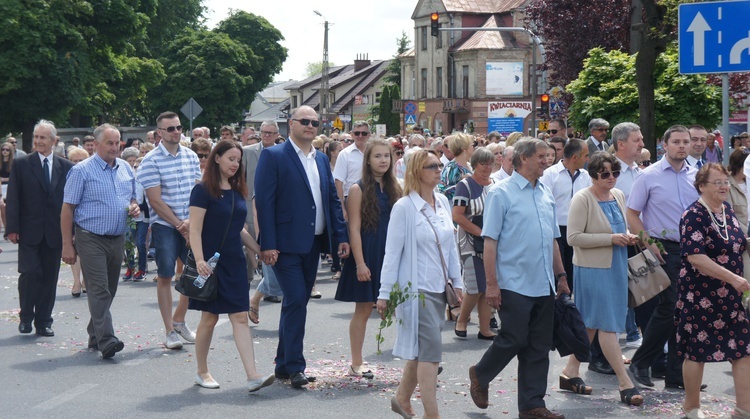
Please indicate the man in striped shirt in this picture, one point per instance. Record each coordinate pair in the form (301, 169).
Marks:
(168, 174)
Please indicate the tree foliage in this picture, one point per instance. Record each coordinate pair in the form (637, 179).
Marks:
(606, 88)
(315, 68)
(393, 75)
(570, 28)
(391, 120)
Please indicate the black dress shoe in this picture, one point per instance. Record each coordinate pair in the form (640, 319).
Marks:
(272, 299)
(680, 385)
(299, 379)
(25, 327)
(601, 367)
(641, 375)
(112, 349)
(658, 373)
(480, 336)
(493, 323)
(45, 331)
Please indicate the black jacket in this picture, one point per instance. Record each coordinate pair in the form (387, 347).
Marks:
(570, 336)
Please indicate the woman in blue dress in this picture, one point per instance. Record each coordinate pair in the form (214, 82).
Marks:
(599, 236)
(215, 203)
(369, 207)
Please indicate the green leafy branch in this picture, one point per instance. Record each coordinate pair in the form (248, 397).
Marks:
(651, 240)
(130, 244)
(397, 296)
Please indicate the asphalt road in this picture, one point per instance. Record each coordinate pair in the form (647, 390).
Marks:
(59, 377)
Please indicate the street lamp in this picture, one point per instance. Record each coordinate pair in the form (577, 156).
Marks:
(323, 106)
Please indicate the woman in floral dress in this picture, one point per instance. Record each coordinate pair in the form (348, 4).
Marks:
(712, 324)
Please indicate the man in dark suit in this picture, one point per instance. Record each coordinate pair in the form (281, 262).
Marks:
(597, 141)
(35, 197)
(299, 215)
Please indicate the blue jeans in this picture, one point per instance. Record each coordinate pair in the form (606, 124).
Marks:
(169, 245)
(630, 327)
(141, 231)
(269, 285)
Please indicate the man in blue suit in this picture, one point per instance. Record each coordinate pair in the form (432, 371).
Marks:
(299, 215)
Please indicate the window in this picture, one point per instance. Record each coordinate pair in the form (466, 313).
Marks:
(439, 82)
(439, 38)
(424, 83)
(424, 37)
(294, 101)
(465, 81)
(377, 96)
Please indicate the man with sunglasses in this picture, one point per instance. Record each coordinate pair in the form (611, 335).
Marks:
(564, 179)
(556, 128)
(168, 174)
(299, 216)
(348, 170)
(14, 143)
(597, 141)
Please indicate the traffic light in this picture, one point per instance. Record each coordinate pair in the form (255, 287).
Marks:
(544, 109)
(434, 24)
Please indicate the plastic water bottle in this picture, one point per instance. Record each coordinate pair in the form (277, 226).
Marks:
(200, 281)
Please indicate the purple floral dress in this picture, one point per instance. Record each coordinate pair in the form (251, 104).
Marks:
(711, 322)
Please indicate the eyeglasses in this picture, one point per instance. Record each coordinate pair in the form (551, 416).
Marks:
(269, 132)
(606, 175)
(601, 129)
(13, 142)
(720, 183)
(360, 133)
(304, 121)
(647, 163)
(434, 166)
(552, 131)
(202, 156)
(347, 140)
(399, 153)
(172, 129)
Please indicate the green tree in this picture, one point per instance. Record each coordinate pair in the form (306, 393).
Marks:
(393, 76)
(391, 120)
(607, 88)
(316, 68)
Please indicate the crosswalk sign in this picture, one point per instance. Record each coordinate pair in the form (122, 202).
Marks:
(410, 119)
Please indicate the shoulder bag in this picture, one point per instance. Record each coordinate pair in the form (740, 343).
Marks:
(450, 292)
(185, 285)
(646, 277)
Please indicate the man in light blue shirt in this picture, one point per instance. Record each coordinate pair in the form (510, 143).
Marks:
(99, 197)
(522, 258)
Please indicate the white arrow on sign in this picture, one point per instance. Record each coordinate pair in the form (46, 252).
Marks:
(699, 27)
(735, 56)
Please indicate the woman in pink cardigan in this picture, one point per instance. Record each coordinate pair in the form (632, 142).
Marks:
(598, 233)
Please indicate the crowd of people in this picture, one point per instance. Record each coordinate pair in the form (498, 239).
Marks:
(505, 225)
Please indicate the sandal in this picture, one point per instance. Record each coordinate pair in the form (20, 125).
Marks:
(576, 385)
(626, 360)
(253, 315)
(631, 397)
(740, 414)
(366, 374)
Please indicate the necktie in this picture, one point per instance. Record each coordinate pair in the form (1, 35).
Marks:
(699, 164)
(46, 172)
(600, 147)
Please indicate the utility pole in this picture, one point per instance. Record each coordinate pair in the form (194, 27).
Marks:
(324, 85)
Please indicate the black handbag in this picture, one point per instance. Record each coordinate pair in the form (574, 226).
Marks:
(186, 286)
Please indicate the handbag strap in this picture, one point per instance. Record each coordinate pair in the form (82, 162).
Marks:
(440, 249)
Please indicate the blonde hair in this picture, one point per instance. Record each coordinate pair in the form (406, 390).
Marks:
(75, 150)
(513, 138)
(413, 170)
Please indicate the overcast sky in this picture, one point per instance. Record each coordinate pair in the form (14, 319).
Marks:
(356, 27)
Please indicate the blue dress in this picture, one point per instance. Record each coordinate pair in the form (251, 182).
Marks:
(602, 294)
(231, 271)
(373, 250)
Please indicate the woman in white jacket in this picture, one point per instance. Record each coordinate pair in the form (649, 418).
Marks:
(413, 261)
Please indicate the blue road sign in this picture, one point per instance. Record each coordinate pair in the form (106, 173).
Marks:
(410, 119)
(714, 37)
(410, 108)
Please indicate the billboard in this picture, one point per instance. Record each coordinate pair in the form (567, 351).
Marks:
(504, 78)
(506, 117)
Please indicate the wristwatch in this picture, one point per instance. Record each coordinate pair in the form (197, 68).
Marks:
(560, 275)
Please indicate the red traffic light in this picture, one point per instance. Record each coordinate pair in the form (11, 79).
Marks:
(434, 16)
(545, 98)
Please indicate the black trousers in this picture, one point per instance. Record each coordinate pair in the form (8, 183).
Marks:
(39, 267)
(661, 327)
(525, 332)
(566, 252)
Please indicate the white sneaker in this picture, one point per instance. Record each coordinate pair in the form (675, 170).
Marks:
(173, 341)
(635, 344)
(183, 330)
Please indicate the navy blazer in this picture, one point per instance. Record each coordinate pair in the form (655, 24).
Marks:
(285, 206)
(32, 210)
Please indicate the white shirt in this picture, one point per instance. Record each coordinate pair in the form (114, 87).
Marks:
(50, 159)
(559, 180)
(429, 264)
(500, 175)
(313, 176)
(444, 160)
(348, 168)
(627, 177)
(692, 161)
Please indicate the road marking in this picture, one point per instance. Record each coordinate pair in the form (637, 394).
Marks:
(65, 397)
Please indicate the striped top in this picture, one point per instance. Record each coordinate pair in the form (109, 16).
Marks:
(101, 194)
(176, 174)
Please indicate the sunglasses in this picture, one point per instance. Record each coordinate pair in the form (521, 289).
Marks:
(304, 121)
(647, 163)
(172, 129)
(202, 156)
(269, 133)
(606, 175)
(434, 166)
(347, 140)
(399, 153)
(6, 149)
(552, 131)
(360, 133)
(12, 142)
